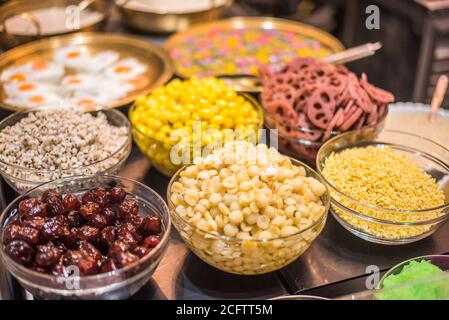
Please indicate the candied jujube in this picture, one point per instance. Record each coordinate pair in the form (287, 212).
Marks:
(108, 235)
(55, 206)
(27, 234)
(89, 234)
(75, 220)
(116, 195)
(123, 259)
(108, 266)
(151, 241)
(47, 255)
(96, 195)
(55, 228)
(71, 203)
(88, 210)
(31, 208)
(152, 225)
(126, 208)
(98, 220)
(109, 214)
(36, 223)
(20, 251)
(141, 251)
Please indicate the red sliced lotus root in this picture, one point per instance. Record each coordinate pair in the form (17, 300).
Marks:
(335, 122)
(351, 119)
(360, 122)
(360, 97)
(301, 98)
(265, 74)
(282, 111)
(306, 130)
(382, 110)
(320, 108)
(372, 117)
(375, 93)
(299, 64)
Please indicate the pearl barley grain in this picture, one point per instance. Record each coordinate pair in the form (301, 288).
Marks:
(53, 141)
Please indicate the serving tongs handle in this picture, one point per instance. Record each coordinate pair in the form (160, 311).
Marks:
(251, 83)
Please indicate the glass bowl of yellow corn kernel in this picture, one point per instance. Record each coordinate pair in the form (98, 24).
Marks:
(188, 118)
(248, 217)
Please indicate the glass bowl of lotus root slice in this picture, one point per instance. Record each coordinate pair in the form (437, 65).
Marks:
(310, 101)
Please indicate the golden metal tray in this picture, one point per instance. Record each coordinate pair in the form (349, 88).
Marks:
(163, 22)
(23, 8)
(160, 68)
(178, 40)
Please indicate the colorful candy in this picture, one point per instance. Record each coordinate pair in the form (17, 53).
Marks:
(225, 50)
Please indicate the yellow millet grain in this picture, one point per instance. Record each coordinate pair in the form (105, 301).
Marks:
(383, 178)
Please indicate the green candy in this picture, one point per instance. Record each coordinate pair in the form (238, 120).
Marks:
(412, 273)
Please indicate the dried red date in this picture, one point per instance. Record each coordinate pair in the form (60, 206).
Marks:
(108, 235)
(71, 203)
(118, 246)
(96, 195)
(31, 208)
(137, 221)
(75, 220)
(140, 251)
(123, 259)
(47, 255)
(88, 210)
(20, 251)
(98, 220)
(152, 225)
(109, 214)
(55, 206)
(88, 249)
(151, 241)
(55, 228)
(116, 195)
(36, 223)
(126, 208)
(27, 234)
(89, 234)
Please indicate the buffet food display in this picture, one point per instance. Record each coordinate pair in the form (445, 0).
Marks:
(241, 205)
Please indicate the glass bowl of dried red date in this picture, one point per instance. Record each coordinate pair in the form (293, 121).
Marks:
(310, 101)
(85, 237)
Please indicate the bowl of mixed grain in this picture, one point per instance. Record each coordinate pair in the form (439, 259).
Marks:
(385, 189)
(43, 145)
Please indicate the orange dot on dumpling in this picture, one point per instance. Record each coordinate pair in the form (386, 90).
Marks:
(122, 69)
(26, 87)
(36, 99)
(139, 82)
(73, 54)
(17, 77)
(39, 65)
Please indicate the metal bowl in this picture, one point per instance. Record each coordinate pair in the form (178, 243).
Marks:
(24, 8)
(167, 22)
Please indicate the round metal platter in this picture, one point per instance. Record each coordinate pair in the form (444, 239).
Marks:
(159, 66)
(233, 48)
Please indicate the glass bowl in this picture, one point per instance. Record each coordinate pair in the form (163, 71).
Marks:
(382, 225)
(439, 260)
(22, 179)
(118, 284)
(303, 143)
(159, 152)
(248, 257)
